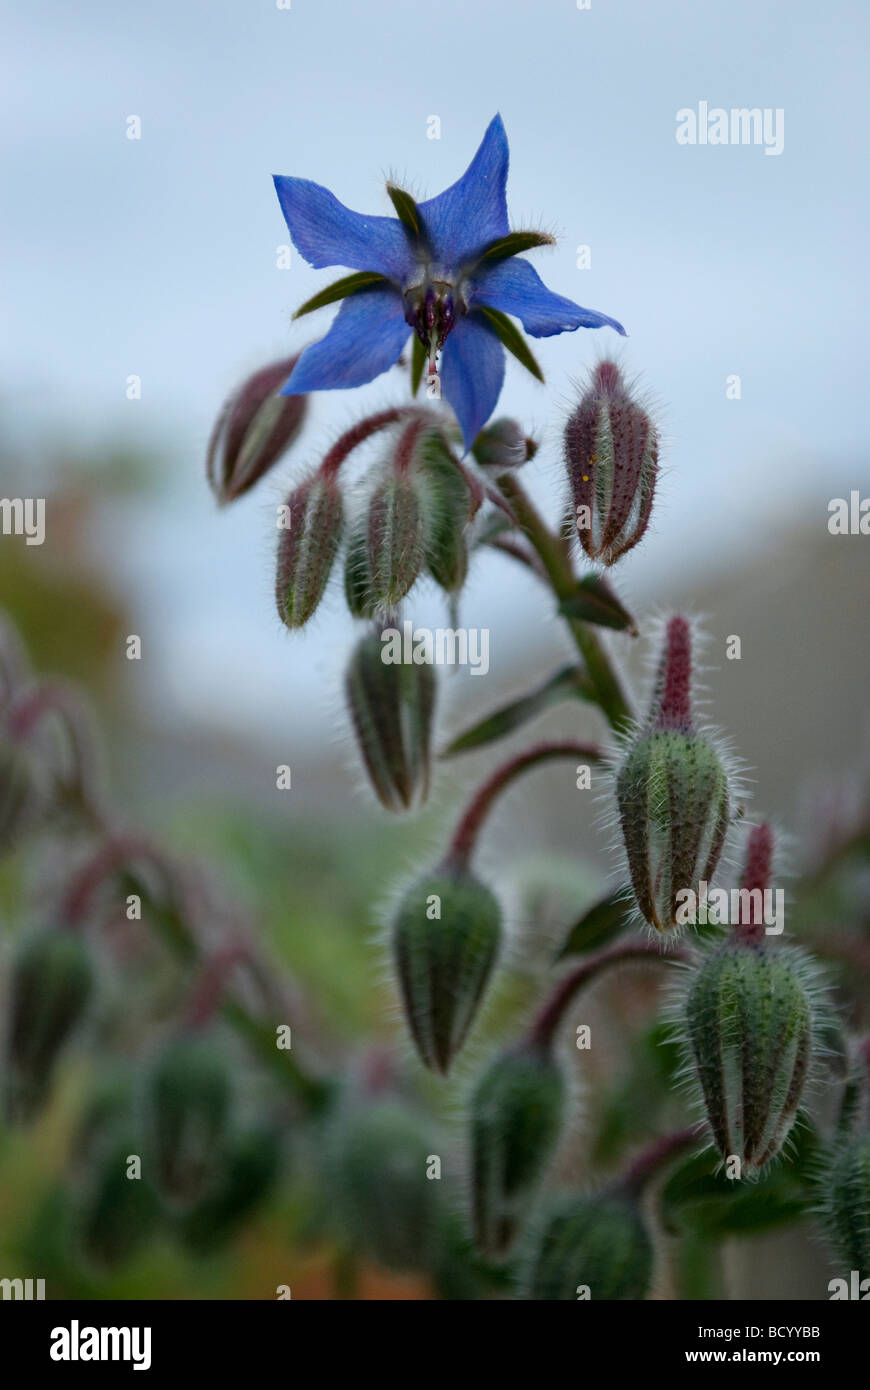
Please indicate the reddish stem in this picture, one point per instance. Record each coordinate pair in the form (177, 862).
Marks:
(359, 433)
(465, 835)
(545, 1025)
(756, 876)
(209, 987)
(675, 708)
(113, 855)
(651, 1159)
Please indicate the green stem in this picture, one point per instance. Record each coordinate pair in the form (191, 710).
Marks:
(557, 563)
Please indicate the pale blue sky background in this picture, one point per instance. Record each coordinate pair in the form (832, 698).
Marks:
(157, 257)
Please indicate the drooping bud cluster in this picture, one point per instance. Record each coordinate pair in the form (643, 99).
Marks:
(446, 936)
(415, 520)
(516, 1117)
(673, 794)
(391, 706)
(52, 983)
(611, 452)
(594, 1247)
(254, 429)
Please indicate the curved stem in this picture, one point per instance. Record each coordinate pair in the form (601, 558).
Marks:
(465, 835)
(557, 563)
(545, 1025)
(649, 1162)
(360, 432)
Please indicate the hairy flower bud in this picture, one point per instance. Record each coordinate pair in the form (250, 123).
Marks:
(251, 1169)
(750, 1020)
(673, 795)
(377, 1161)
(589, 1247)
(395, 540)
(391, 706)
(503, 445)
(611, 452)
(117, 1212)
(52, 983)
(255, 427)
(445, 499)
(307, 547)
(445, 939)
(845, 1183)
(516, 1117)
(187, 1108)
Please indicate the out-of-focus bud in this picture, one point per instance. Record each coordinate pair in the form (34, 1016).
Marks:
(118, 1209)
(445, 938)
(611, 452)
(186, 1116)
(589, 1247)
(252, 1166)
(516, 1117)
(16, 792)
(254, 429)
(503, 445)
(750, 1021)
(673, 795)
(309, 538)
(845, 1187)
(391, 706)
(378, 1166)
(52, 982)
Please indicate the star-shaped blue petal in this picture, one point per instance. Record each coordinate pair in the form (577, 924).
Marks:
(445, 258)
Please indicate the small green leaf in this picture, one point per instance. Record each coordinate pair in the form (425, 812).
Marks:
(699, 1198)
(511, 338)
(406, 209)
(594, 601)
(570, 681)
(418, 363)
(514, 244)
(605, 920)
(340, 289)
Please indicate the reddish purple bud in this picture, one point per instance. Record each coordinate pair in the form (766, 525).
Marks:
(753, 884)
(255, 427)
(611, 452)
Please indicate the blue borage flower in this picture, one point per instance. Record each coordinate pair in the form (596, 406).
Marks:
(447, 268)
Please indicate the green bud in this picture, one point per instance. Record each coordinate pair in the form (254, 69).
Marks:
(307, 547)
(750, 1022)
(446, 510)
(15, 792)
(503, 445)
(516, 1118)
(673, 794)
(395, 540)
(846, 1212)
(597, 1244)
(252, 1165)
(118, 1213)
(52, 983)
(377, 1162)
(391, 706)
(445, 937)
(187, 1109)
